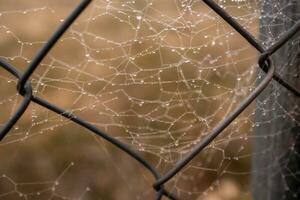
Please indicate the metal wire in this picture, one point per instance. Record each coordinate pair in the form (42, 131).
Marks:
(265, 63)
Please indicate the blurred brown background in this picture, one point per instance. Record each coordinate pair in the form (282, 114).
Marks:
(158, 75)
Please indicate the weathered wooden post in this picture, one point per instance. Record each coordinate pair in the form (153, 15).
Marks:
(276, 160)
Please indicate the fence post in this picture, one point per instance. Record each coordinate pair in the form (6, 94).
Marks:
(276, 160)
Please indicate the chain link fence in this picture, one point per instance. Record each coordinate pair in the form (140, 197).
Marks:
(265, 63)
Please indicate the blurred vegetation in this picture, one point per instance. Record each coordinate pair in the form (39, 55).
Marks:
(156, 83)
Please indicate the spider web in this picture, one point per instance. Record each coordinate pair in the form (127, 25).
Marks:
(157, 75)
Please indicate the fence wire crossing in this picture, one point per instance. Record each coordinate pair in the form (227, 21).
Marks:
(24, 88)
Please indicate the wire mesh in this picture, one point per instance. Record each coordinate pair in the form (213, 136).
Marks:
(265, 63)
